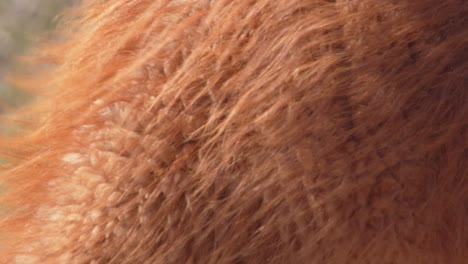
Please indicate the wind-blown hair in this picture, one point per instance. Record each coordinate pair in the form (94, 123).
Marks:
(247, 131)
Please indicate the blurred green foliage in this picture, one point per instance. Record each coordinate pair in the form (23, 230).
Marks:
(21, 22)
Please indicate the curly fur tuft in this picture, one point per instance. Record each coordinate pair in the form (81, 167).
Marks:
(249, 131)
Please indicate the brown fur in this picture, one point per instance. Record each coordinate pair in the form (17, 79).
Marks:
(246, 131)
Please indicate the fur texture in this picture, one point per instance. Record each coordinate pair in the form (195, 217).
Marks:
(247, 131)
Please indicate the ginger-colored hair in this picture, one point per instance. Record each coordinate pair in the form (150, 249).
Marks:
(244, 131)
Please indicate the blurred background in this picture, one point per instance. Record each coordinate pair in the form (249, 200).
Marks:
(21, 23)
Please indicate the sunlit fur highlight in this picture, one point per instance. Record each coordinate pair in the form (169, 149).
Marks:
(247, 131)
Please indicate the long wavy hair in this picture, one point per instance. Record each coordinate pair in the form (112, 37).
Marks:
(247, 131)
